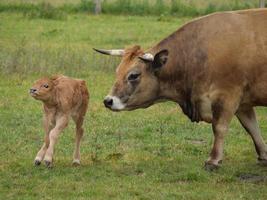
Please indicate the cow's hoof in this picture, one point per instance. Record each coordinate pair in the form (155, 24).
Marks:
(37, 162)
(48, 164)
(76, 162)
(211, 167)
(262, 162)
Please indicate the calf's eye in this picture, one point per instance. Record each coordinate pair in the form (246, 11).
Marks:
(133, 76)
(46, 85)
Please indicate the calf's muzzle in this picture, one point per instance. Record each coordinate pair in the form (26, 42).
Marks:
(33, 90)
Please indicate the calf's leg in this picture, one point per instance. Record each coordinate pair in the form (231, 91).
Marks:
(78, 119)
(248, 120)
(40, 155)
(48, 123)
(79, 134)
(61, 123)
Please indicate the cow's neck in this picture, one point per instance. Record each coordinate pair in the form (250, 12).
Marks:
(177, 91)
(176, 78)
(172, 79)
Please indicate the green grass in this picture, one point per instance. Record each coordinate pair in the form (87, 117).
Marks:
(143, 154)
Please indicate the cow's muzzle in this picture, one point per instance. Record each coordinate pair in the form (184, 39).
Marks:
(108, 102)
(114, 103)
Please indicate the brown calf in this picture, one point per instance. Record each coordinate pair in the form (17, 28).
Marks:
(62, 98)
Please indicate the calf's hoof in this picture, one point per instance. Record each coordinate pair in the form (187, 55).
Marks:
(76, 162)
(48, 164)
(211, 166)
(37, 162)
(262, 162)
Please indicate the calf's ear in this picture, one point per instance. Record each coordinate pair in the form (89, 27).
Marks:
(160, 59)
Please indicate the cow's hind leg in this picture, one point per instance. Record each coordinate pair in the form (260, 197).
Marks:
(248, 120)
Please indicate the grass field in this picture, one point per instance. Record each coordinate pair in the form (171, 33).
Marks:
(144, 154)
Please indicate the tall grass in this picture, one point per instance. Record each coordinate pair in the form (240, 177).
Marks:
(40, 58)
(132, 7)
(181, 9)
(43, 46)
(45, 11)
(235, 5)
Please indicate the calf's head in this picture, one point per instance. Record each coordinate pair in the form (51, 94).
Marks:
(136, 85)
(42, 89)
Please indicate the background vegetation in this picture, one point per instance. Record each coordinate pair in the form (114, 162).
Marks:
(133, 7)
(155, 153)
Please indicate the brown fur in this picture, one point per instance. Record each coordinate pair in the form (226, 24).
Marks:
(217, 66)
(62, 98)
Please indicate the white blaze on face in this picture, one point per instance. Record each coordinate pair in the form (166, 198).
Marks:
(117, 104)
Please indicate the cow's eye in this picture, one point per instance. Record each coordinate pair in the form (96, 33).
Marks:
(46, 85)
(133, 76)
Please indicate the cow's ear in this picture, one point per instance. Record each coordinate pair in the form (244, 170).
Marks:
(160, 59)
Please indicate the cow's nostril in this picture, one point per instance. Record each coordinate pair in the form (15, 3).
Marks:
(108, 102)
(33, 90)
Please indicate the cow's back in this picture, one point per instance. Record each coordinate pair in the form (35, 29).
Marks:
(225, 50)
(237, 53)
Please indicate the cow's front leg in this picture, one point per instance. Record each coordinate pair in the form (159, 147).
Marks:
(48, 123)
(61, 123)
(222, 111)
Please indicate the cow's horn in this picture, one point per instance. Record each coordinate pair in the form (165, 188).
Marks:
(147, 57)
(113, 52)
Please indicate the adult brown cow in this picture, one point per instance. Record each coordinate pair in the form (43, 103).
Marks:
(214, 67)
